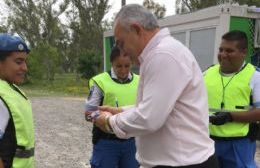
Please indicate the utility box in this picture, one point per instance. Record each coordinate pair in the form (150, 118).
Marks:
(201, 32)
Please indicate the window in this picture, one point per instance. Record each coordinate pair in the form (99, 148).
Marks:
(202, 43)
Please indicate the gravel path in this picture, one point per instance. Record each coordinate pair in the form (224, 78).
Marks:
(63, 137)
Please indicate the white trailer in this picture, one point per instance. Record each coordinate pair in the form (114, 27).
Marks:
(201, 31)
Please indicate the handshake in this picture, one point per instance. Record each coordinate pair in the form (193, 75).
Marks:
(100, 116)
(92, 113)
(95, 111)
(220, 118)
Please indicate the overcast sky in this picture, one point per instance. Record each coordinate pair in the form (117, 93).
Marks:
(116, 5)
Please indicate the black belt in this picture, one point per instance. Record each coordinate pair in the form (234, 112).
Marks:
(24, 153)
(210, 163)
(227, 138)
(111, 137)
(99, 134)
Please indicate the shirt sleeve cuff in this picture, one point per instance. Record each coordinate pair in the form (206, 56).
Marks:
(116, 129)
(125, 108)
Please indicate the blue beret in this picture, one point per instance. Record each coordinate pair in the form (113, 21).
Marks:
(12, 43)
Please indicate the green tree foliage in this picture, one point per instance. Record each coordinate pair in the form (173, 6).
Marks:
(87, 28)
(58, 46)
(184, 6)
(248, 2)
(157, 9)
(54, 33)
(24, 20)
(3, 29)
(89, 63)
(36, 70)
(43, 62)
(38, 23)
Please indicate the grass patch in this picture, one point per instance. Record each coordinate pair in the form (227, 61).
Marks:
(62, 85)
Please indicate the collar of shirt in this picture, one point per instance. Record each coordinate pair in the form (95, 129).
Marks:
(153, 42)
(231, 74)
(113, 75)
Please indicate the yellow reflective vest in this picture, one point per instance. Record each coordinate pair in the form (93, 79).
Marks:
(237, 93)
(21, 112)
(116, 94)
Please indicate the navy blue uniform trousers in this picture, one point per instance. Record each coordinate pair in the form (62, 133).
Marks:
(108, 153)
(237, 153)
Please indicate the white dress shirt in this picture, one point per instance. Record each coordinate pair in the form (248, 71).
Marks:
(170, 119)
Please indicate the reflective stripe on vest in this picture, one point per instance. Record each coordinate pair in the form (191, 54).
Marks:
(21, 112)
(237, 94)
(24, 153)
(116, 93)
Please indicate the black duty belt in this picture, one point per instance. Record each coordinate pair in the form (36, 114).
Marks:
(227, 138)
(111, 137)
(99, 134)
(24, 153)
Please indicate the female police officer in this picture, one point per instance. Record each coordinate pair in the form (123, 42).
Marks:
(16, 122)
(117, 87)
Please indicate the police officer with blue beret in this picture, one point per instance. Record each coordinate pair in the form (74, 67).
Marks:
(16, 121)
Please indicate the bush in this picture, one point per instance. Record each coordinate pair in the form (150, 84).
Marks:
(89, 64)
(63, 84)
(43, 62)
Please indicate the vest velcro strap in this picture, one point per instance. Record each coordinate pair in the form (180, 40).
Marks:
(24, 153)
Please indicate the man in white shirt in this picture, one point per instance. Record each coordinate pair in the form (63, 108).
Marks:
(170, 118)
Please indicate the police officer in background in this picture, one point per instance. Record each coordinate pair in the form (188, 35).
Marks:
(117, 87)
(234, 95)
(16, 121)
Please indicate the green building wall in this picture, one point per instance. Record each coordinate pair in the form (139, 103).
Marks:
(246, 25)
(109, 43)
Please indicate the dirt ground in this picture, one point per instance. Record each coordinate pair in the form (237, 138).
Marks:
(63, 137)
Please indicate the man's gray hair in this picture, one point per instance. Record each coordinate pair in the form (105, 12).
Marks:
(135, 13)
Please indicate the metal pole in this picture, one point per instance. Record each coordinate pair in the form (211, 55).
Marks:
(123, 3)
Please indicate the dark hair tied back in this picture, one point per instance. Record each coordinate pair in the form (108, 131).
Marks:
(115, 53)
